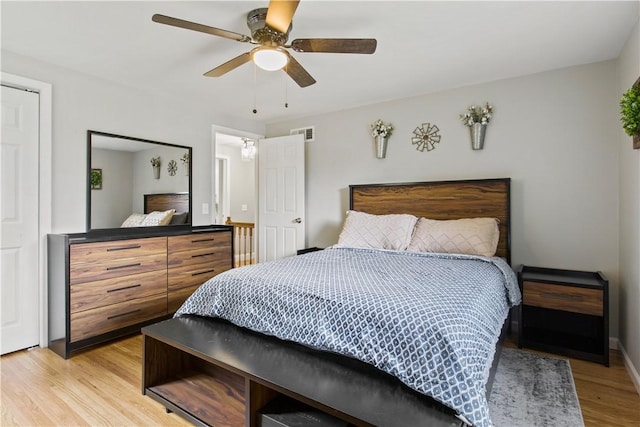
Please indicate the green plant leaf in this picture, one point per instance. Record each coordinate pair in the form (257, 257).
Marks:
(630, 111)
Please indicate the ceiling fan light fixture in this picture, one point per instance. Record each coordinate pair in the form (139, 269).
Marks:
(270, 58)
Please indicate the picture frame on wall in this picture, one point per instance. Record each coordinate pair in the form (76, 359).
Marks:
(96, 179)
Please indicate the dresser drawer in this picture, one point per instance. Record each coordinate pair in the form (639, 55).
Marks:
(181, 277)
(198, 241)
(85, 296)
(178, 297)
(88, 323)
(116, 250)
(200, 256)
(88, 272)
(564, 298)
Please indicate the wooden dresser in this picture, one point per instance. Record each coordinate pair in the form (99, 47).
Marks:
(104, 287)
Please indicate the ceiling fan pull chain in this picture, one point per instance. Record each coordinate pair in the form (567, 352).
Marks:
(255, 87)
(286, 86)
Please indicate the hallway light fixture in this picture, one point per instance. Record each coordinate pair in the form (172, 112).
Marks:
(248, 150)
(270, 58)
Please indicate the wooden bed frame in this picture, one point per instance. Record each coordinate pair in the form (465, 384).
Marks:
(166, 201)
(441, 200)
(214, 373)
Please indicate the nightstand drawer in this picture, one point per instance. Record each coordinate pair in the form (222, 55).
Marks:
(565, 298)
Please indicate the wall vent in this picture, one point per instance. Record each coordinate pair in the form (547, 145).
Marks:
(308, 132)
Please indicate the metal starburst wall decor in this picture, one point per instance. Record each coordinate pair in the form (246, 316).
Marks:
(425, 137)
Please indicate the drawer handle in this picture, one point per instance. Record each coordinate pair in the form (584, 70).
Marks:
(196, 256)
(115, 316)
(203, 240)
(122, 248)
(203, 272)
(117, 267)
(124, 288)
(565, 297)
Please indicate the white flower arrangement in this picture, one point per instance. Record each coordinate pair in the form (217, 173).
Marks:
(155, 161)
(475, 115)
(185, 157)
(380, 129)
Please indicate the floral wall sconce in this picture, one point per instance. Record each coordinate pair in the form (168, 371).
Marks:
(185, 159)
(155, 164)
(381, 134)
(630, 113)
(426, 137)
(477, 119)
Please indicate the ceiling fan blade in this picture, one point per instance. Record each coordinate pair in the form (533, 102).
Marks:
(280, 14)
(181, 23)
(229, 65)
(335, 45)
(298, 73)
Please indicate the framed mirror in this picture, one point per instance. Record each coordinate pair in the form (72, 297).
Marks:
(132, 181)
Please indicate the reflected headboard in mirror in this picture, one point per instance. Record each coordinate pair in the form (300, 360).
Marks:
(165, 201)
(120, 173)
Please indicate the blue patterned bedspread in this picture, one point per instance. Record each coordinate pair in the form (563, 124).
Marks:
(431, 320)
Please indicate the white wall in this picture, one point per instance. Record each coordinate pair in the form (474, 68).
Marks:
(553, 133)
(82, 102)
(144, 181)
(112, 204)
(629, 175)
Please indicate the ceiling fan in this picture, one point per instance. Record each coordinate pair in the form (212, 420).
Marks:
(270, 29)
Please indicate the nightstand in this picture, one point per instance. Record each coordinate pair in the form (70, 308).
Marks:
(564, 312)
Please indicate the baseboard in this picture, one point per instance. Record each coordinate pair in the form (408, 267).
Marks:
(633, 372)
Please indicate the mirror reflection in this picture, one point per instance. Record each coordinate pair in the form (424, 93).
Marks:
(132, 181)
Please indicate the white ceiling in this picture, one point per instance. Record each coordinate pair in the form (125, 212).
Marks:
(423, 47)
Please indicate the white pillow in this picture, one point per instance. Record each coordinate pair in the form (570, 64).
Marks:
(471, 236)
(158, 218)
(134, 220)
(363, 230)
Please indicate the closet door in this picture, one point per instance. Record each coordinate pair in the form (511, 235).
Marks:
(19, 220)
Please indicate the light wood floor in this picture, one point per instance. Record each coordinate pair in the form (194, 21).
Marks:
(102, 387)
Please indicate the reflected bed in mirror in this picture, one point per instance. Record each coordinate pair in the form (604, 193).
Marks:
(133, 192)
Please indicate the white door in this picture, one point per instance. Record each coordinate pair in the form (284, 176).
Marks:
(281, 197)
(19, 220)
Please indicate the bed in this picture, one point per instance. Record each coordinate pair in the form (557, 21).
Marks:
(367, 304)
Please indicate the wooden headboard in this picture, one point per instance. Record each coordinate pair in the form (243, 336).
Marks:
(166, 201)
(441, 200)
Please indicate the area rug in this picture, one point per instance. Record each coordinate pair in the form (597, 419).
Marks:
(534, 391)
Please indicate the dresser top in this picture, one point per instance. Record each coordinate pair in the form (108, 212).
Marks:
(139, 233)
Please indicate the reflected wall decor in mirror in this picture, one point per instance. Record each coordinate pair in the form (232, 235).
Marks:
(132, 186)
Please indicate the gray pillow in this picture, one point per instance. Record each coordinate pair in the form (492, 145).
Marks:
(179, 218)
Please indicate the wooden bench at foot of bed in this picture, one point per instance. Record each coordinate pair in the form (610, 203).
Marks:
(214, 373)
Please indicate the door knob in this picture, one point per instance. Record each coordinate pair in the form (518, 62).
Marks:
(297, 220)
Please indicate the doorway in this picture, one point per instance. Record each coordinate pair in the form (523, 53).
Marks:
(235, 188)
